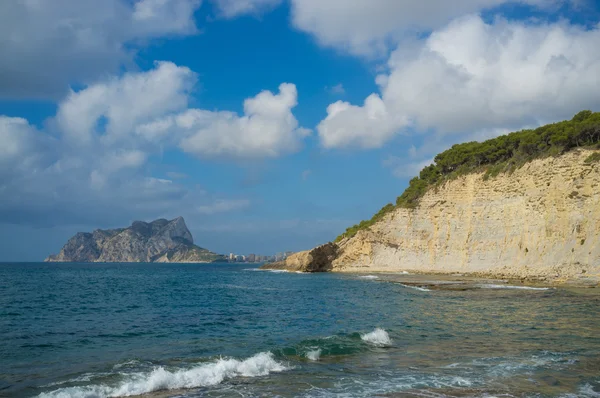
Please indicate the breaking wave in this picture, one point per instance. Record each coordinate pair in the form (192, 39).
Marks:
(208, 374)
(314, 355)
(492, 286)
(421, 289)
(377, 337)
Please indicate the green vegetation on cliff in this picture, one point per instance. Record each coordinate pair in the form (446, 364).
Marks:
(593, 158)
(498, 155)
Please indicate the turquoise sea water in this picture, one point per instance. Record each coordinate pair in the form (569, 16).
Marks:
(219, 330)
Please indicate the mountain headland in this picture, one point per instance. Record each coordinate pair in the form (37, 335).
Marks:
(158, 241)
(521, 206)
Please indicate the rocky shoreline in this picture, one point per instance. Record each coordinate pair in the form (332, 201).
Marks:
(455, 281)
(538, 224)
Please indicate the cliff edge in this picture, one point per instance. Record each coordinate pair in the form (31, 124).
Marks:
(542, 221)
(158, 241)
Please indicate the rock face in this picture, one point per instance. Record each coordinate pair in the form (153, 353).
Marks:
(158, 241)
(540, 222)
(318, 259)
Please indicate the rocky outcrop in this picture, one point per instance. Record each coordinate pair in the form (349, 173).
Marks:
(319, 259)
(540, 222)
(159, 241)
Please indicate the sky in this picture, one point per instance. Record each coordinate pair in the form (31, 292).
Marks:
(269, 125)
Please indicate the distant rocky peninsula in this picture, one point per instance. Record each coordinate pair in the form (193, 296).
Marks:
(160, 241)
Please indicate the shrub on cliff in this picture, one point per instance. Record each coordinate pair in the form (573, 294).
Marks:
(500, 154)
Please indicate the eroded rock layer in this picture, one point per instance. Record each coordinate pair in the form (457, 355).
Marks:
(542, 221)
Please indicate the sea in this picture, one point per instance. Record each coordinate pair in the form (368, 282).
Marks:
(225, 330)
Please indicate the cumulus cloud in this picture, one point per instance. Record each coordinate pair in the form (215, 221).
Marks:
(267, 129)
(366, 126)
(93, 162)
(472, 76)
(125, 103)
(46, 45)
(369, 27)
(235, 8)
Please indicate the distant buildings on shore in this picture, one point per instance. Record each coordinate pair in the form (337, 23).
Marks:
(257, 258)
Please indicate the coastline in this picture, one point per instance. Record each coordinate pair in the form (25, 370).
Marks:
(432, 278)
(538, 224)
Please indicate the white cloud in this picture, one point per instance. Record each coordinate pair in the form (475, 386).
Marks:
(223, 205)
(46, 45)
(93, 164)
(124, 103)
(235, 8)
(23, 150)
(149, 109)
(366, 126)
(267, 129)
(159, 17)
(369, 27)
(16, 137)
(472, 76)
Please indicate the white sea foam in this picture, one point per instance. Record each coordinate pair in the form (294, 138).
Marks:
(79, 379)
(492, 286)
(377, 337)
(502, 367)
(277, 271)
(405, 273)
(421, 289)
(369, 277)
(207, 374)
(391, 383)
(588, 391)
(314, 355)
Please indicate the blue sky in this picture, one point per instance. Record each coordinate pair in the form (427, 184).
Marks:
(270, 125)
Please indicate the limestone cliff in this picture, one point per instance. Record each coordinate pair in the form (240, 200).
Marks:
(542, 221)
(158, 241)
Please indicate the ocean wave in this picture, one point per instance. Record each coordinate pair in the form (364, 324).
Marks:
(277, 271)
(159, 379)
(336, 345)
(314, 355)
(84, 378)
(421, 289)
(586, 391)
(492, 286)
(369, 277)
(377, 337)
(503, 367)
(389, 384)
